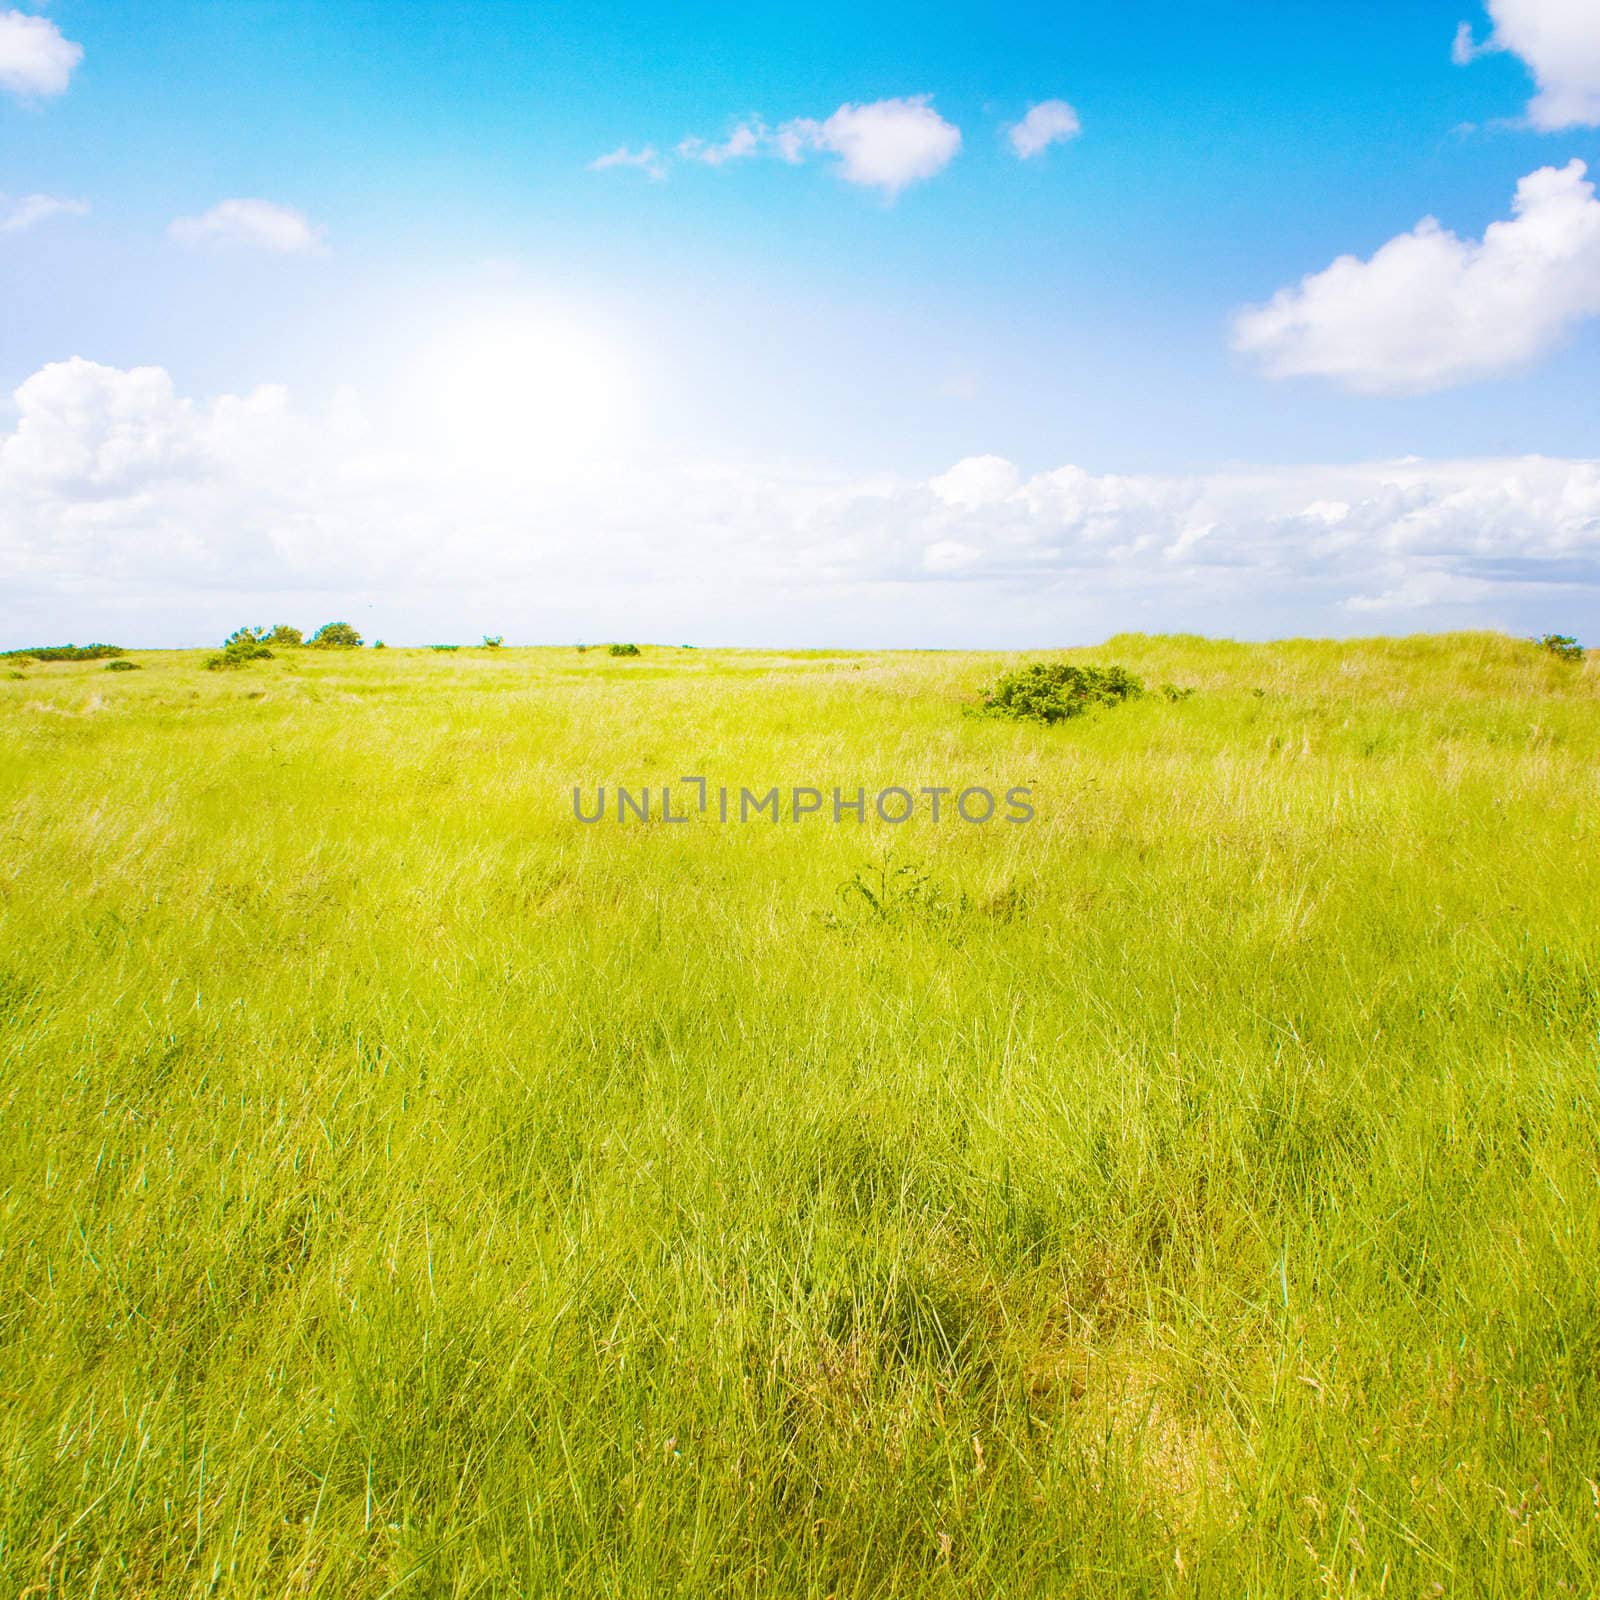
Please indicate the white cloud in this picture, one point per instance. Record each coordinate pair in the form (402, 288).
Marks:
(1050, 122)
(976, 482)
(88, 430)
(747, 139)
(886, 145)
(644, 159)
(30, 210)
(259, 224)
(1559, 41)
(36, 62)
(119, 493)
(1430, 310)
(1464, 49)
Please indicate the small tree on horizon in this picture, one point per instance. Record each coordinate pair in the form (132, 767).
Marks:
(336, 636)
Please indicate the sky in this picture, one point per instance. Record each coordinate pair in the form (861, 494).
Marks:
(961, 325)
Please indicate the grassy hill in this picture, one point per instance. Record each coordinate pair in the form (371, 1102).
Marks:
(408, 1189)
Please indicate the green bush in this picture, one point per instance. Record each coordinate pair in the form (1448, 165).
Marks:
(625, 650)
(241, 647)
(493, 641)
(122, 666)
(247, 644)
(444, 647)
(1051, 691)
(285, 637)
(1561, 645)
(336, 636)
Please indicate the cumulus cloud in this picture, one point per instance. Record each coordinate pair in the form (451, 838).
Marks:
(1559, 42)
(88, 430)
(1431, 310)
(644, 159)
(1050, 122)
(886, 145)
(36, 62)
(257, 224)
(976, 482)
(30, 210)
(114, 484)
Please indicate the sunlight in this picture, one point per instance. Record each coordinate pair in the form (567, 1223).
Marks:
(517, 391)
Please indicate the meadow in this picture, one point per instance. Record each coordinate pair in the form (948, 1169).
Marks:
(408, 1190)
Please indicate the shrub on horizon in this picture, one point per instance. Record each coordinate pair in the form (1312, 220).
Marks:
(1052, 691)
(241, 647)
(625, 650)
(65, 652)
(336, 636)
(493, 641)
(285, 637)
(248, 643)
(1561, 645)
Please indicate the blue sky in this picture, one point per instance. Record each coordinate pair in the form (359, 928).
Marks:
(580, 353)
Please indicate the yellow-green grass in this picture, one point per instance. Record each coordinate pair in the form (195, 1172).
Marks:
(406, 1189)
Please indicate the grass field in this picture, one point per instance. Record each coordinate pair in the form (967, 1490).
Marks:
(407, 1189)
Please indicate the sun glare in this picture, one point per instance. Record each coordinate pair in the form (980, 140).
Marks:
(520, 393)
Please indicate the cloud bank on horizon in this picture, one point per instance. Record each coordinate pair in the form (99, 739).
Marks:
(115, 484)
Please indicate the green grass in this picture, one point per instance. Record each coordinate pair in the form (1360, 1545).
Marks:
(407, 1190)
